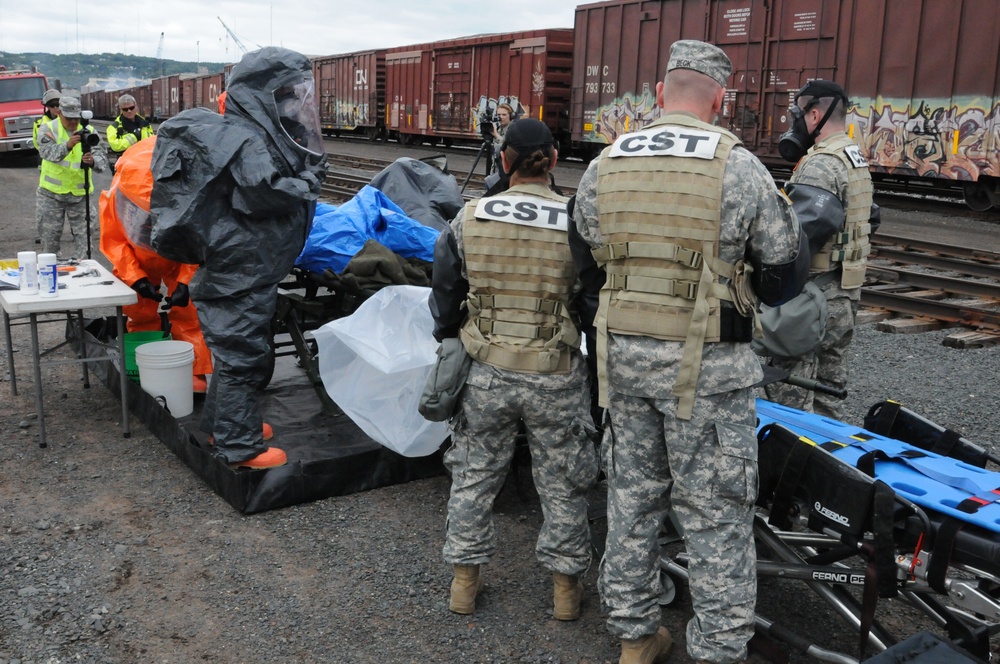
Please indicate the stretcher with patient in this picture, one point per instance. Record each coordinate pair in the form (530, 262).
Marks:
(901, 508)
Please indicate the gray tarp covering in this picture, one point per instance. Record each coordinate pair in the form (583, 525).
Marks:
(422, 190)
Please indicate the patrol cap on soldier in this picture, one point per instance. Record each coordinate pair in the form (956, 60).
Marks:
(821, 88)
(702, 57)
(50, 96)
(69, 107)
(527, 133)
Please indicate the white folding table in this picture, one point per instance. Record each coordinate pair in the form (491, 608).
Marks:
(80, 293)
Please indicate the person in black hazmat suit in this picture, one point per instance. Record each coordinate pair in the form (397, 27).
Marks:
(236, 195)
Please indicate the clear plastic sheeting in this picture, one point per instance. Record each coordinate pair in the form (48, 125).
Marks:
(374, 364)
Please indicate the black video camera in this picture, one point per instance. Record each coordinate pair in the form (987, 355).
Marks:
(486, 125)
(88, 138)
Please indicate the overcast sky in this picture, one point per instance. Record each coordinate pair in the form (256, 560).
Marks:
(192, 31)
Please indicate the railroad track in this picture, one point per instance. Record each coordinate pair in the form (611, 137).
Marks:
(349, 173)
(917, 285)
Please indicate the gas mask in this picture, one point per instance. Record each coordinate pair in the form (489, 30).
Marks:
(298, 115)
(794, 143)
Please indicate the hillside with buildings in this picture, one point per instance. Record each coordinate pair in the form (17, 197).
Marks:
(96, 71)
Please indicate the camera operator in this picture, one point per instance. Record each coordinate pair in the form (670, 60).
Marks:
(69, 148)
(505, 115)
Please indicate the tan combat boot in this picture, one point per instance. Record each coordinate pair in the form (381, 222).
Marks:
(566, 596)
(652, 649)
(465, 588)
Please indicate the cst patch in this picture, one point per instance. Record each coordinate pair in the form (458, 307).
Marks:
(524, 210)
(853, 153)
(667, 141)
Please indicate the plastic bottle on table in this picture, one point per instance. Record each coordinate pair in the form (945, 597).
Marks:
(48, 282)
(27, 268)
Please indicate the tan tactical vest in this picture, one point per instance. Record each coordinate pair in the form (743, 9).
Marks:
(850, 246)
(520, 276)
(660, 218)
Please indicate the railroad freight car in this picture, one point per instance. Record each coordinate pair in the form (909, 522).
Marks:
(923, 76)
(442, 90)
(351, 93)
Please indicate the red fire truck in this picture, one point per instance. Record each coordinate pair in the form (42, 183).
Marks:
(21, 93)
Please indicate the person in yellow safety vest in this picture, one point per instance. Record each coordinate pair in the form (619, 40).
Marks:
(50, 102)
(125, 231)
(65, 184)
(128, 128)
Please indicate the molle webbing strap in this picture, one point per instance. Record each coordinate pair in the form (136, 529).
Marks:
(664, 293)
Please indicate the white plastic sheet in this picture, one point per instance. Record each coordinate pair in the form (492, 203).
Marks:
(374, 364)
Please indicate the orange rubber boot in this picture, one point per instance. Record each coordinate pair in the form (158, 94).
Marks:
(272, 457)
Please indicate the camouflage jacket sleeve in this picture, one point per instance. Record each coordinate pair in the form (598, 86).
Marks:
(585, 212)
(824, 171)
(49, 147)
(755, 203)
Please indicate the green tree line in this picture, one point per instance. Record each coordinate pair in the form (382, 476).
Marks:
(76, 69)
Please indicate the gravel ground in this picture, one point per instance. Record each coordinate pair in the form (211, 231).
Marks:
(111, 550)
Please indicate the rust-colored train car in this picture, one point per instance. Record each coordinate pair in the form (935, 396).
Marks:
(922, 75)
(188, 83)
(442, 89)
(160, 94)
(351, 91)
(207, 89)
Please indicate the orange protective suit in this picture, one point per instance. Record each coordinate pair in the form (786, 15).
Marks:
(125, 229)
(222, 103)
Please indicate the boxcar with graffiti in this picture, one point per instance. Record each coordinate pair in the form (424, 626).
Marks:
(922, 76)
(443, 89)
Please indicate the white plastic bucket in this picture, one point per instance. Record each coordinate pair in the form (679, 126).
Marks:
(165, 373)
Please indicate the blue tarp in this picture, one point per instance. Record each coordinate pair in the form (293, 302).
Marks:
(339, 233)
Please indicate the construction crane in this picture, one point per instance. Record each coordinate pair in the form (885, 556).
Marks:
(159, 55)
(233, 35)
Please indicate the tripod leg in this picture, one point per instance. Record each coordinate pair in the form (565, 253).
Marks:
(479, 155)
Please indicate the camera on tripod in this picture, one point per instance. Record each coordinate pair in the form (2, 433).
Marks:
(89, 139)
(486, 122)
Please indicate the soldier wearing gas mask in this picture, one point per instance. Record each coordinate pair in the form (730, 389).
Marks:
(831, 192)
(236, 195)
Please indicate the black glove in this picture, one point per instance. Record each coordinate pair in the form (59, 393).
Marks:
(180, 297)
(144, 288)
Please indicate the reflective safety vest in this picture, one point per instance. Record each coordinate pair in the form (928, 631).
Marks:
(120, 139)
(66, 176)
(850, 246)
(521, 274)
(659, 200)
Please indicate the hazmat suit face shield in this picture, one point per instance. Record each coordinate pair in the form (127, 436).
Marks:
(137, 223)
(298, 114)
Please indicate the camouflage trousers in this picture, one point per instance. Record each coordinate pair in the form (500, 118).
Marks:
(705, 469)
(827, 364)
(53, 211)
(563, 463)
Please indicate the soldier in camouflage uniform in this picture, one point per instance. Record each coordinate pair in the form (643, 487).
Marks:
(63, 186)
(669, 213)
(838, 228)
(502, 283)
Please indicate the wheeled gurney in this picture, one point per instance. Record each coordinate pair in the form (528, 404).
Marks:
(844, 507)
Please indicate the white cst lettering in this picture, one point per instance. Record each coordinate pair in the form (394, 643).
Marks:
(524, 211)
(669, 141)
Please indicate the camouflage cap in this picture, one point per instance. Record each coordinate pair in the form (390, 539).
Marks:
(702, 57)
(69, 107)
(50, 95)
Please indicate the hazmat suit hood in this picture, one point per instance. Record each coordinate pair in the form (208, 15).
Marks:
(274, 88)
(236, 193)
